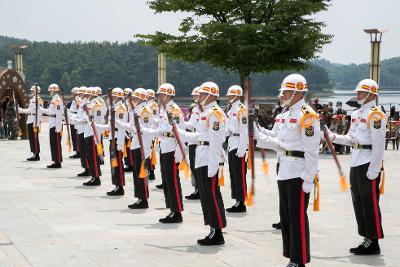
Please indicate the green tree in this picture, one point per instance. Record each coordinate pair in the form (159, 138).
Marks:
(65, 82)
(243, 36)
(45, 78)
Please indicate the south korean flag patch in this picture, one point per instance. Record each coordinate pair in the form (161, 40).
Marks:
(216, 126)
(309, 131)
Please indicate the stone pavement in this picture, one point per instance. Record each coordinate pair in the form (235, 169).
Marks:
(47, 218)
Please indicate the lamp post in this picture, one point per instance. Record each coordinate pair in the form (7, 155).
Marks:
(162, 68)
(19, 65)
(374, 67)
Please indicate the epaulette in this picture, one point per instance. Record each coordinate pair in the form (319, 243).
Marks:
(146, 112)
(242, 111)
(121, 109)
(154, 106)
(176, 111)
(308, 117)
(57, 101)
(217, 111)
(377, 115)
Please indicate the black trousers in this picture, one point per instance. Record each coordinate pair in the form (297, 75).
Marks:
(74, 137)
(237, 173)
(128, 159)
(171, 182)
(293, 203)
(365, 196)
(33, 139)
(140, 184)
(82, 151)
(211, 200)
(117, 173)
(192, 161)
(55, 146)
(93, 158)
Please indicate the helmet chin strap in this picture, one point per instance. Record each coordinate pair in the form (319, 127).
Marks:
(203, 103)
(232, 100)
(362, 101)
(286, 103)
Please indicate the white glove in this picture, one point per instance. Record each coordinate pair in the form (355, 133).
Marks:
(256, 131)
(372, 175)
(307, 186)
(331, 135)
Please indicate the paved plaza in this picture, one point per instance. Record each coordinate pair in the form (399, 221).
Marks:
(47, 218)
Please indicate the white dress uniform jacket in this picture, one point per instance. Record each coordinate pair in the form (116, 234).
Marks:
(237, 129)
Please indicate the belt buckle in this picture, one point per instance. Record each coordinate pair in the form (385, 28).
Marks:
(289, 153)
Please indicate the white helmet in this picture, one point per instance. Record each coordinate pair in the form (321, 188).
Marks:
(367, 85)
(209, 88)
(92, 91)
(195, 91)
(82, 90)
(99, 91)
(33, 88)
(150, 93)
(117, 92)
(128, 91)
(294, 82)
(235, 90)
(53, 88)
(140, 93)
(166, 89)
(75, 90)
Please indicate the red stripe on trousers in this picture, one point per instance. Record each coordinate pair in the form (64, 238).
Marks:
(145, 188)
(35, 141)
(178, 199)
(213, 184)
(120, 167)
(58, 146)
(96, 171)
(243, 180)
(77, 141)
(376, 213)
(131, 157)
(302, 228)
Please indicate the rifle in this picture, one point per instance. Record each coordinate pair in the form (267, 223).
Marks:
(142, 173)
(16, 113)
(66, 122)
(35, 127)
(175, 131)
(114, 161)
(343, 183)
(98, 143)
(251, 118)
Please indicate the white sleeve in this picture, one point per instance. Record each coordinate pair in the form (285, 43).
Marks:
(243, 137)
(311, 139)
(216, 137)
(378, 133)
(346, 139)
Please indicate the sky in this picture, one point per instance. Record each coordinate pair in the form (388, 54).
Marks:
(120, 20)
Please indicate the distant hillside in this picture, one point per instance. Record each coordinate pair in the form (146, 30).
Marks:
(347, 76)
(129, 65)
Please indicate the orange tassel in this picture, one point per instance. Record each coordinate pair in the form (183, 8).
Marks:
(382, 189)
(156, 141)
(99, 149)
(19, 133)
(69, 148)
(125, 154)
(129, 143)
(114, 162)
(142, 173)
(316, 193)
(343, 183)
(250, 200)
(221, 179)
(153, 156)
(249, 161)
(184, 167)
(265, 167)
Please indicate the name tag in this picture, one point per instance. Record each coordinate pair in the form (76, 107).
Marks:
(203, 118)
(293, 120)
(353, 120)
(363, 120)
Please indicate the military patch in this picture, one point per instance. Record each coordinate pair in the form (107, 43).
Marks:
(59, 107)
(309, 131)
(176, 119)
(377, 124)
(146, 120)
(121, 116)
(216, 126)
(154, 112)
(98, 113)
(244, 120)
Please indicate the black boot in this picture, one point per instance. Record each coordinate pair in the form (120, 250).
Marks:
(101, 161)
(214, 238)
(173, 217)
(128, 168)
(160, 186)
(140, 204)
(75, 156)
(277, 225)
(54, 165)
(84, 173)
(35, 157)
(193, 196)
(370, 247)
(117, 191)
(352, 250)
(238, 207)
(93, 182)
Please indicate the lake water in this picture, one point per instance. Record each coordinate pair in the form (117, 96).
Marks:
(386, 99)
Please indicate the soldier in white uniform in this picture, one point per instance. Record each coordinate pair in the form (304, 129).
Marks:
(191, 127)
(144, 118)
(153, 106)
(128, 158)
(238, 141)
(33, 130)
(100, 116)
(209, 136)
(298, 141)
(56, 113)
(73, 109)
(367, 136)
